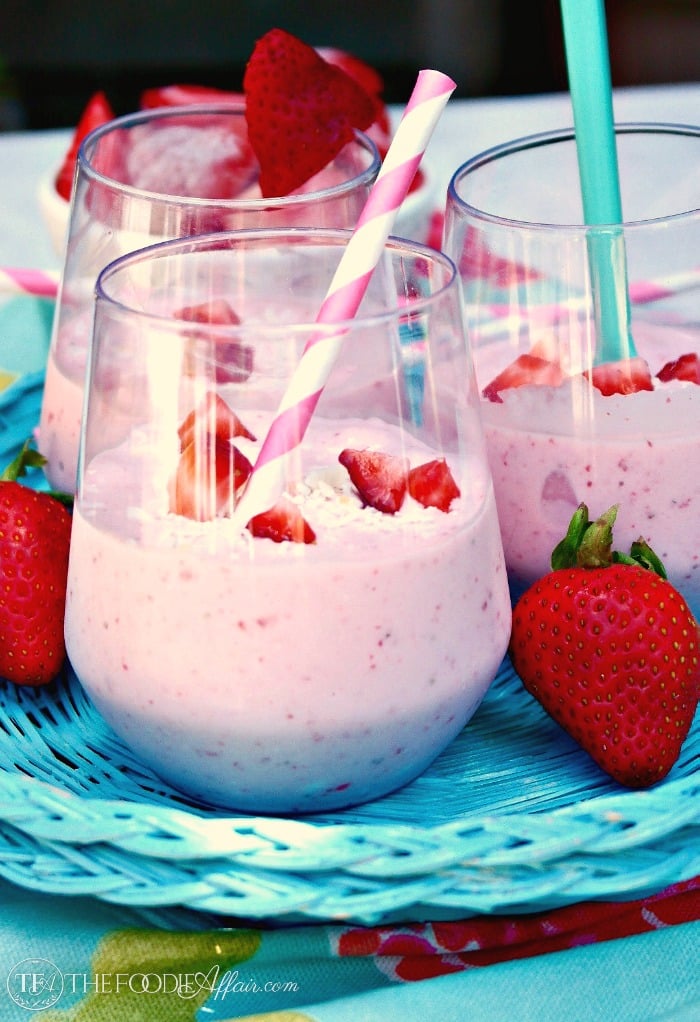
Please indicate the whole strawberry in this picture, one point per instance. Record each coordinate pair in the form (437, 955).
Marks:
(34, 541)
(612, 652)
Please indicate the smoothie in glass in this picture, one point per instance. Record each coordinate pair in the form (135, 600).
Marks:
(342, 670)
(159, 174)
(579, 406)
(257, 669)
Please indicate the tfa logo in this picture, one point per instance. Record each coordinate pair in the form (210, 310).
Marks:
(35, 984)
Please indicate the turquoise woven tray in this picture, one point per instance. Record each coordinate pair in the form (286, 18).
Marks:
(513, 817)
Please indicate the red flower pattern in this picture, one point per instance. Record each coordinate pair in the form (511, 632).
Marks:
(419, 951)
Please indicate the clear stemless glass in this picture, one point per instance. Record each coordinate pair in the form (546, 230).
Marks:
(325, 653)
(556, 434)
(162, 174)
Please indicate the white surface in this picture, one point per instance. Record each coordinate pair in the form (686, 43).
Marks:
(466, 128)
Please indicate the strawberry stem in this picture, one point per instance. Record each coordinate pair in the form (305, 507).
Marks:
(28, 457)
(641, 553)
(565, 553)
(595, 550)
(588, 544)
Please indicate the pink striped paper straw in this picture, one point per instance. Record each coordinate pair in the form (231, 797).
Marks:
(645, 291)
(42, 283)
(350, 281)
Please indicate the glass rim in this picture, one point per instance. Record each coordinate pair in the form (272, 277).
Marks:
(555, 137)
(228, 107)
(336, 236)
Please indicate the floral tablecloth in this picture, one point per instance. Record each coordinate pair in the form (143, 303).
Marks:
(79, 960)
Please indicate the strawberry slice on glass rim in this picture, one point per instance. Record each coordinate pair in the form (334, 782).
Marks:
(301, 111)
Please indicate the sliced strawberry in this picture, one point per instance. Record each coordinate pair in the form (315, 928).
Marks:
(686, 367)
(209, 475)
(97, 111)
(380, 479)
(627, 376)
(301, 111)
(546, 347)
(283, 523)
(212, 419)
(432, 484)
(185, 95)
(527, 370)
(371, 81)
(234, 359)
(364, 74)
(216, 311)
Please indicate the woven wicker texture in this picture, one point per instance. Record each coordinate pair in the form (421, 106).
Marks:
(512, 817)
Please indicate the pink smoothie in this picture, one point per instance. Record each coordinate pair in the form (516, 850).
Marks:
(551, 448)
(61, 409)
(286, 677)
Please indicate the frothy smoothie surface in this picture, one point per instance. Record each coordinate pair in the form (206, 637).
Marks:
(553, 447)
(285, 677)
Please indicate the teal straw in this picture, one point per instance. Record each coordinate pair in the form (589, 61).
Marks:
(588, 64)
